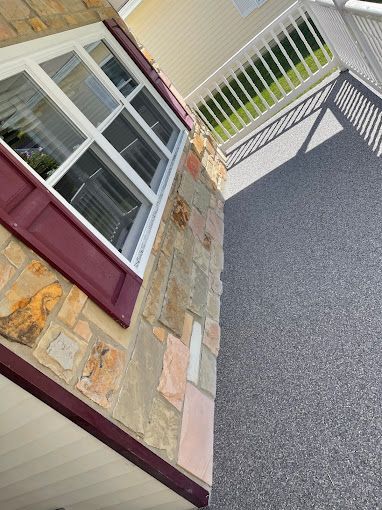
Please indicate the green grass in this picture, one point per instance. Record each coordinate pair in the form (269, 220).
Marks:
(265, 97)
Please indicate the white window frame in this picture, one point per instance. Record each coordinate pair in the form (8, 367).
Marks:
(27, 56)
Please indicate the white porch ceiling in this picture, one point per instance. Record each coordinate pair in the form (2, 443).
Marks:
(48, 463)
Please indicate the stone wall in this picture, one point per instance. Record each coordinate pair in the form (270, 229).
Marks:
(22, 20)
(156, 379)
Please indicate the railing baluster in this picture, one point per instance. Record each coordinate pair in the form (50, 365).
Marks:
(261, 78)
(250, 99)
(307, 45)
(280, 67)
(289, 60)
(216, 103)
(271, 73)
(209, 125)
(253, 85)
(298, 53)
(243, 124)
(238, 99)
(313, 32)
(218, 122)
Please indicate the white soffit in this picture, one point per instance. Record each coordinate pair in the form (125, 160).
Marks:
(47, 463)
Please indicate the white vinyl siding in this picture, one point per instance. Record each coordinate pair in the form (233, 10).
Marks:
(190, 39)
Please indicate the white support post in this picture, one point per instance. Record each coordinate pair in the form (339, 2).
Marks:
(340, 64)
(360, 40)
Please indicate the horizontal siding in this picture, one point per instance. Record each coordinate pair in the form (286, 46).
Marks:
(48, 462)
(190, 39)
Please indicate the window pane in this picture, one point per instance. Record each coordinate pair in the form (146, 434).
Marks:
(154, 116)
(105, 201)
(136, 149)
(112, 67)
(81, 86)
(32, 125)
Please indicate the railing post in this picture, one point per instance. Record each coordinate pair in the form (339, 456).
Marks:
(360, 40)
(341, 65)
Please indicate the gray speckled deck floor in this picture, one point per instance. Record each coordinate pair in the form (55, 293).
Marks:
(299, 403)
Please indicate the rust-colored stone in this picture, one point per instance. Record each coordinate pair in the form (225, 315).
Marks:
(193, 164)
(102, 373)
(181, 213)
(198, 143)
(37, 24)
(25, 324)
(160, 334)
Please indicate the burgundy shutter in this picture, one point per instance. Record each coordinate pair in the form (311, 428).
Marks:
(147, 69)
(32, 213)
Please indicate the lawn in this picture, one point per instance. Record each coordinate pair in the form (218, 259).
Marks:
(265, 97)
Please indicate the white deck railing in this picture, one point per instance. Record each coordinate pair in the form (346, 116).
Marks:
(269, 72)
(354, 30)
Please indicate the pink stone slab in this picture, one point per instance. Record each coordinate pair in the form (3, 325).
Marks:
(197, 434)
(172, 382)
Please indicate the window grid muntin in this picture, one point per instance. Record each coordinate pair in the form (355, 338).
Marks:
(22, 58)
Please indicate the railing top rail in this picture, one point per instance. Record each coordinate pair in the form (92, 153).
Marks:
(243, 50)
(354, 6)
(363, 8)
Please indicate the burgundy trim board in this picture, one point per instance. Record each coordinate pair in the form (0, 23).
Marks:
(61, 400)
(147, 69)
(33, 214)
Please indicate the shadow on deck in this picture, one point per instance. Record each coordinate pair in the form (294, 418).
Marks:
(299, 414)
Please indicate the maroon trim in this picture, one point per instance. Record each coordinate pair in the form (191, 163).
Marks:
(58, 398)
(30, 211)
(148, 70)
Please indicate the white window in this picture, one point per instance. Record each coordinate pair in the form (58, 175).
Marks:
(245, 7)
(85, 120)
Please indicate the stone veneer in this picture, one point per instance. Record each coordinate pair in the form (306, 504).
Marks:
(157, 378)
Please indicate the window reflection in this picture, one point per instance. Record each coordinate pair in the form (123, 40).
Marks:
(34, 128)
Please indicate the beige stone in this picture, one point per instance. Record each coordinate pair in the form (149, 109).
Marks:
(4, 235)
(187, 328)
(197, 434)
(160, 333)
(101, 319)
(172, 383)
(155, 296)
(215, 226)
(177, 293)
(102, 373)
(59, 350)
(213, 306)
(6, 272)
(140, 382)
(211, 336)
(83, 330)
(163, 428)
(197, 224)
(158, 238)
(14, 253)
(169, 239)
(72, 306)
(207, 375)
(47, 7)
(14, 9)
(33, 278)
